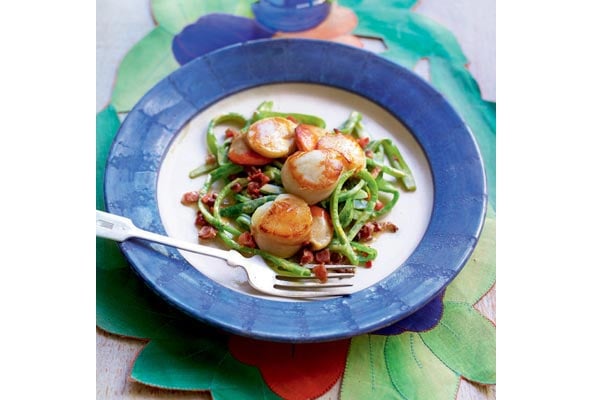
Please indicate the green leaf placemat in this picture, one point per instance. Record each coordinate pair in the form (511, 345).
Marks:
(185, 355)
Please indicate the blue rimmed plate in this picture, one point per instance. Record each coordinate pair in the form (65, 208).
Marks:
(162, 139)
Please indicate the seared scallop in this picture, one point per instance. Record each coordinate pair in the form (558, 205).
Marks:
(240, 153)
(307, 136)
(313, 174)
(321, 231)
(347, 146)
(272, 137)
(282, 226)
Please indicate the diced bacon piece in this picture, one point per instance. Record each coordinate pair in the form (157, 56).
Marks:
(251, 170)
(211, 159)
(256, 175)
(307, 257)
(366, 232)
(254, 189)
(190, 198)
(389, 227)
(236, 187)
(200, 221)
(207, 232)
(209, 199)
(323, 256)
(377, 227)
(320, 272)
(336, 258)
(246, 239)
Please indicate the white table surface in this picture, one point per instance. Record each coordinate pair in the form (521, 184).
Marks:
(122, 23)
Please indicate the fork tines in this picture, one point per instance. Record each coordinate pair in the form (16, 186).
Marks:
(336, 274)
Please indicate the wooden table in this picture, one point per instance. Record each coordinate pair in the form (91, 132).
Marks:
(120, 24)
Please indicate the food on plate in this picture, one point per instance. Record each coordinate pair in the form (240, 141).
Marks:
(321, 231)
(272, 137)
(282, 226)
(287, 188)
(312, 174)
(241, 153)
(347, 146)
(307, 136)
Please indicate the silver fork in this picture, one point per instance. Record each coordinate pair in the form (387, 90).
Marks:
(260, 276)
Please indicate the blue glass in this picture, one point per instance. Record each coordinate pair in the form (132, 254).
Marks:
(290, 15)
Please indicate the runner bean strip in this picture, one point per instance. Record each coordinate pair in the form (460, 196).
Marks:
(352, 204)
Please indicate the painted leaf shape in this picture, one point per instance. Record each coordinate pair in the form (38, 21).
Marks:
(294, 371)
(149, 61)
(214, 31)
(479, 274)
(365, 376)
(465, 341)
(173, 15)
(108, 255)
(372, 4)
(107, 125)
(409, 34)
(125, 306)
(416, 372)
(201, 364)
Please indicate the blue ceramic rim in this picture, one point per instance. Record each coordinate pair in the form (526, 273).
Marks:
(460, 195)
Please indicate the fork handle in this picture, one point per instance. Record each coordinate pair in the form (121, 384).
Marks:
(116, 227)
